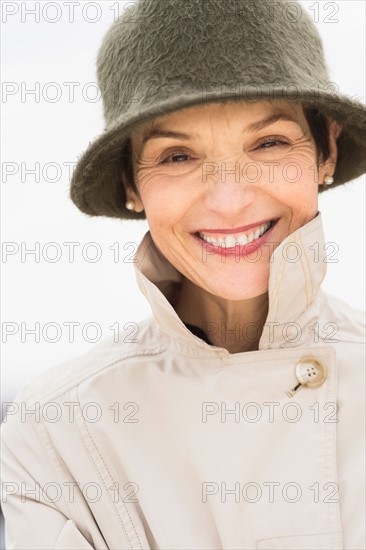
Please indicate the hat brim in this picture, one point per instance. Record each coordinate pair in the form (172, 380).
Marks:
(97, 188)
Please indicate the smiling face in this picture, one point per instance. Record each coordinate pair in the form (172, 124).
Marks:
(218, 172)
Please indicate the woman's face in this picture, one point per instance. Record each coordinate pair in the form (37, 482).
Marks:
(211, 171)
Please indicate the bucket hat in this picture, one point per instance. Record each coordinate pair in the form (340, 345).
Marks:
(164, 55)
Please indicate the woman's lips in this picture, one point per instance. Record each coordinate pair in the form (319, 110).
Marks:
(235, 229)
(241, 250)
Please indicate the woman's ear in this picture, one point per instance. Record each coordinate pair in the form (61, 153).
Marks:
(328, 167)
(132, 196)
(129, 176)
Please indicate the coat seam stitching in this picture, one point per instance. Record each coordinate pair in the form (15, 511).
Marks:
(125, 530)
(74, 383)
(309, 302)
(43, 438)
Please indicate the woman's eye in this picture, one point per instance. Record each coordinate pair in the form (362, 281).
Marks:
(179, 156)
(175, 155)
(270, 143)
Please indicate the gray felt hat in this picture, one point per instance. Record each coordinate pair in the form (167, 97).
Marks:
(164, 55)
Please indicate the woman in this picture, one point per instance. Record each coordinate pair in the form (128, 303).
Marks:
(232, 418)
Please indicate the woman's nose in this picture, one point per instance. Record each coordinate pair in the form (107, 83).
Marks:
(229, 186)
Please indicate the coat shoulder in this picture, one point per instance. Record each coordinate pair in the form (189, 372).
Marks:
(132, 341)
(350, 321)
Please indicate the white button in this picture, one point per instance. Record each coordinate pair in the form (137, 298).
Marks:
(310, 372)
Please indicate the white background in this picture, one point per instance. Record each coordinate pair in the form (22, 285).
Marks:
(41, 212)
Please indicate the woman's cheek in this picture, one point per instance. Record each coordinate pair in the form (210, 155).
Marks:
(163, 197)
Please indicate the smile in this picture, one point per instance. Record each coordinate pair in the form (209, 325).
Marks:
(241, 239)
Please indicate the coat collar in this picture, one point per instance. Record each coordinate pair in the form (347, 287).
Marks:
(297, 269)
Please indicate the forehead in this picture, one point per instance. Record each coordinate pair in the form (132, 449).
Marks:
(251, 110)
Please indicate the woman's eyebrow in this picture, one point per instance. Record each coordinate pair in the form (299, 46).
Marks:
(255, 126)
(156, 133)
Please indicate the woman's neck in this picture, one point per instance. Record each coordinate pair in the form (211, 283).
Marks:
(235, 325)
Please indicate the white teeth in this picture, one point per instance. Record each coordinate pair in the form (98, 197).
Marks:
(230, 241)
(243, 240)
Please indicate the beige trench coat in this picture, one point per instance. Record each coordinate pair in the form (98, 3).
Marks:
(161, 440)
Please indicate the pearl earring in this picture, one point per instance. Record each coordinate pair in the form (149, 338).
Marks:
(130, 205)
(329, 180)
